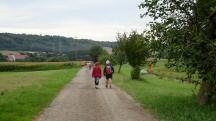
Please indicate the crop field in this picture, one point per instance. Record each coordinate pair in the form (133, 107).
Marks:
(36, 66)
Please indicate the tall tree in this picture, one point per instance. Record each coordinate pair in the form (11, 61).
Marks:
(2, 58)
(137, 51)
(185, 30)
(103, 58)
(119, 51)
(96, 51)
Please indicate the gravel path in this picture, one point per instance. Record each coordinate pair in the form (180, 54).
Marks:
(80, 101)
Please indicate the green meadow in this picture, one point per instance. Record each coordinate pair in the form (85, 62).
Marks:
(166, 98)
(23, 95)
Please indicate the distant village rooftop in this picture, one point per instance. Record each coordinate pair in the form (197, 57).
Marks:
(14, 57)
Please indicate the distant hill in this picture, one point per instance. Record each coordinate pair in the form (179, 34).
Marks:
(24, 42)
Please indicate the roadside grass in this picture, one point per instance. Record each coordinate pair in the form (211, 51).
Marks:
(23, 95)
(168, 100)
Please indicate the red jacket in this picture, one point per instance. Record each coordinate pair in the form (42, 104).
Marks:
(97, 71)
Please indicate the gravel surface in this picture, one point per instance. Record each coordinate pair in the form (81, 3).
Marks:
(80, 101)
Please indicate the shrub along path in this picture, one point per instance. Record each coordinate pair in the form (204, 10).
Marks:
(79, 101)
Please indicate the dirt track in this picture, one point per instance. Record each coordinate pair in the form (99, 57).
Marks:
(80, 101)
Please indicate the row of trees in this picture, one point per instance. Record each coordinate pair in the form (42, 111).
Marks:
(52, 56)
(182, 31)
(39, 43)
(78, 55)
(57, 57)
(133, 48)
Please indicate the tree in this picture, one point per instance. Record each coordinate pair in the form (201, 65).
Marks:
(96, 51)
(185, 30)
(103, 58)
(79, 55)
(137, 51)
(119, 52)
(2, 58)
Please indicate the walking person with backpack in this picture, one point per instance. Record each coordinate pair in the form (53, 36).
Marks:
(96, 74)
(108, 73)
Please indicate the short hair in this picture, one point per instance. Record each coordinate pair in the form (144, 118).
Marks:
(107, 62)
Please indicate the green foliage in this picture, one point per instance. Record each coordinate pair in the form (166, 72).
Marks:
(184, 29)
(96, 51)
(103, 58)
(135, 72)
(161, 70)
(119, 56)
(47, 57)
(23, 66)
(167, 99)
(2, 58)
(56, 56)
(21, 100)
(119, 52)
(137, 50)
(23, 42)
(78, 55)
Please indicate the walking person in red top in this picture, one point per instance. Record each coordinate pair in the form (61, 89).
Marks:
(96, 74)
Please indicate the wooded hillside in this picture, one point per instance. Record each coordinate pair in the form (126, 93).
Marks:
(24, 42)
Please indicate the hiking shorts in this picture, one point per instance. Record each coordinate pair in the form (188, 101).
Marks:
(108, 76)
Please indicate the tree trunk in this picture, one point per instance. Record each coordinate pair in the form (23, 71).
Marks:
(119, 70)
(205, 92)
(135, 74)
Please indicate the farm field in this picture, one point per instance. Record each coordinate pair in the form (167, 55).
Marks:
(167, 99)
(35, 66)
(24, 94)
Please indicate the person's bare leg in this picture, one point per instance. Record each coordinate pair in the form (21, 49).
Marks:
(110, 83)
(107, 83)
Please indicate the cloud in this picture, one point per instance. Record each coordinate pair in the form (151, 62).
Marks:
(95, 19)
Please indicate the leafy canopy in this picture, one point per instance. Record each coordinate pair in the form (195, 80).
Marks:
(96, 51)
(185, 29)
(119, 52)
(137, 49)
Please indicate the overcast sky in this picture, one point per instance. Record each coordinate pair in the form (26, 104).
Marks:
(91, 19)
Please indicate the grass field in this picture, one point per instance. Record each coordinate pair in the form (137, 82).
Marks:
(24, 94)
(162, 71)
(35, 66)
(168, 100)
(171, 73)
